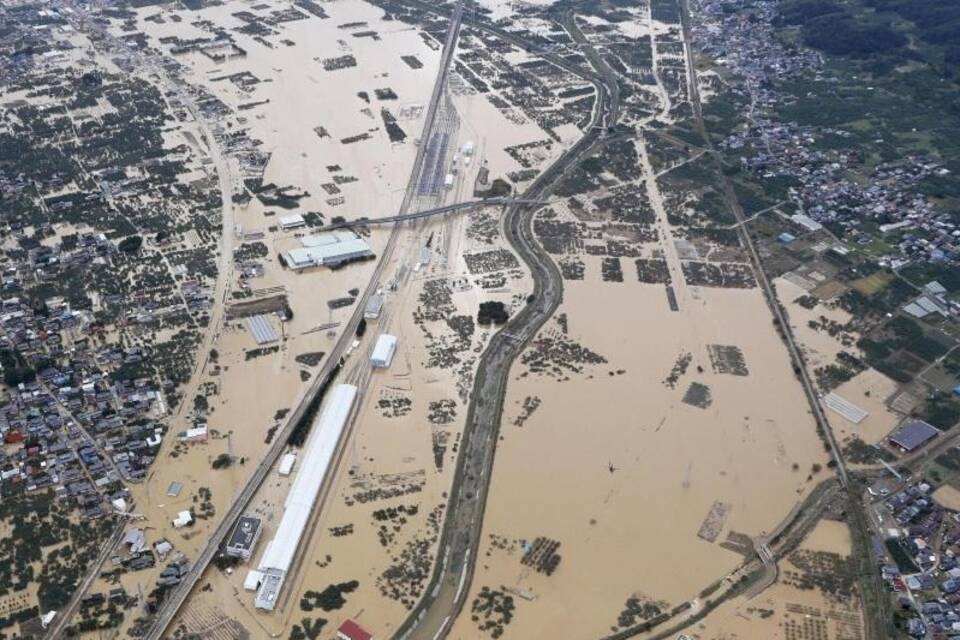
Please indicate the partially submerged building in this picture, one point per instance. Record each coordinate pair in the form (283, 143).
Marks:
(316, 458)
(194, 434)
(244, 537)
(384, 350)
(286, 464)
(327, 250)
(261, 328)
(350, 630)
(374, 307)
(183, 519)
(292, 221)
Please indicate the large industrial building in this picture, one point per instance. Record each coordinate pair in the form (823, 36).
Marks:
(327, 250)
(315, 462)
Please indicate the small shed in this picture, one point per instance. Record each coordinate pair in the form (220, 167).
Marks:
(252, 581)
(183, 519)
(286, 464)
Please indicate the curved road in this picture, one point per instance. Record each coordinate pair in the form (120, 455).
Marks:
(448, 588)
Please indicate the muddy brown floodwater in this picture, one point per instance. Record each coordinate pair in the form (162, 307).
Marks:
(617, 468)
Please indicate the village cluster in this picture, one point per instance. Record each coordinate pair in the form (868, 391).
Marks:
(821, 172)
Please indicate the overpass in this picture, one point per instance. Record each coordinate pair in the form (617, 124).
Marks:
(429, 213)
(457, 550)
(177, 596)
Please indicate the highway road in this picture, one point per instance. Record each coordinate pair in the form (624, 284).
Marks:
(873, 595)
(780, 319)
(518, 40)
(176, 597)
(446, 593)
(872, 592)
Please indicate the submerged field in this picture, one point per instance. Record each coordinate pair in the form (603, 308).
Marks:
(373, 540)
(641, 488)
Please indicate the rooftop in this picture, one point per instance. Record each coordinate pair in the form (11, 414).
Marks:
(350, 630)
(913, 434)
(245, 533)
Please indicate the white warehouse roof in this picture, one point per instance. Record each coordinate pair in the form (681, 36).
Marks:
(806, 222)
(329, 249)
(317, 456)
(330, 237)
(252, 581)
(292, 221)
(383, 351)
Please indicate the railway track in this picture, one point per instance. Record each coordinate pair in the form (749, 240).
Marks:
(446, 593)
(175, 599)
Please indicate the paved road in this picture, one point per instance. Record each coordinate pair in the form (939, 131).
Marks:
(178, 595)
(453, 570)
(873, 595)
(793, 530)
(429, 213)
(449, 586)
(224, 272)
(799, 364)
(519, 41)
(65, 614)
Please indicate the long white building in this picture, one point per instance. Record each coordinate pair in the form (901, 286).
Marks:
(314, 464)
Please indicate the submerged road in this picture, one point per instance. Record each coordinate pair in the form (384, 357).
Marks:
(446, 593)
(176, 597)
(873, 595)
(783, 323)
